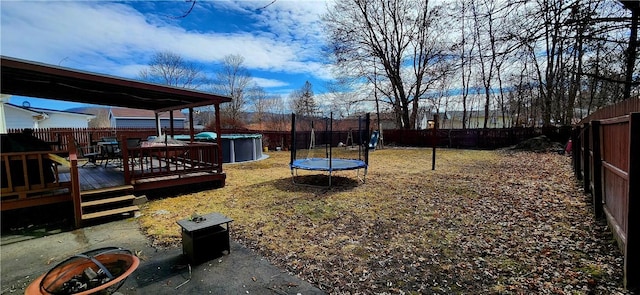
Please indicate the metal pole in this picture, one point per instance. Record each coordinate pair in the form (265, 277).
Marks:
(293, 139)
(434, 142)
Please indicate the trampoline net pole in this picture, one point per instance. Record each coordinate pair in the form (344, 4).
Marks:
(367, 136)
(359, 137)
(293, 139)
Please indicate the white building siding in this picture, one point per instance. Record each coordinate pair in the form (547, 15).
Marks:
(21, 118)
(65, 121)
(18, 118)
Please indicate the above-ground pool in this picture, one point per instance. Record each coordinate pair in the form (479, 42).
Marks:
(241, 147)
(235, 147)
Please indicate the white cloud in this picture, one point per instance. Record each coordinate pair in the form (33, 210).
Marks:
(115, 38)
(267, 83)
(65, 29)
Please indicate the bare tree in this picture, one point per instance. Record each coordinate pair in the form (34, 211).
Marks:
(535, 62)
(344, 100)
(277, 117)
(466, 50)
(569, 33)
(400, 35)
(487, 18)
(169, 68)
(259, 100)
(233, 80)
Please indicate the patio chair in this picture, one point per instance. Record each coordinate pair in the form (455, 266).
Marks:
(111, 151)
(89, 153)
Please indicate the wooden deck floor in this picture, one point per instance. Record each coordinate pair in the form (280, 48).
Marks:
(97, 177)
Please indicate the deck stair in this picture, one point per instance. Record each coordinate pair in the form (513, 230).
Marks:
(107, 202)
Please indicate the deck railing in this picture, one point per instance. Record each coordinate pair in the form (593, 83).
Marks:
(32, 179)
(151, 161)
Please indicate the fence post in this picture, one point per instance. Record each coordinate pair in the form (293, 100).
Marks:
(632, 252)
(596, 166)
(585, 157)
(575, 151)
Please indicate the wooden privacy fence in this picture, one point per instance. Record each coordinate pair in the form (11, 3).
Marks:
(57, 137)
(606, 154)
(454, 138)
(474, 138)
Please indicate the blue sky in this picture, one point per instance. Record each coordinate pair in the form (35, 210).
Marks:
(282, 44)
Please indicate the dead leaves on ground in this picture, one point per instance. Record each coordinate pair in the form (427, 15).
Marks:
(481, 223)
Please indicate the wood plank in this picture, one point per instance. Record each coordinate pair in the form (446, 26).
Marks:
(24, 203)
(110, 212)
(105, 190)
(60, 160)
(172, 181)
(616, 120)
(617, 171)
(41, 191)
(109, 200)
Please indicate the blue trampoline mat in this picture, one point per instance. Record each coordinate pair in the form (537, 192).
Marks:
(322, 164)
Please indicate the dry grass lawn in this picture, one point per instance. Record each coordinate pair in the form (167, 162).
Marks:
(484, 222)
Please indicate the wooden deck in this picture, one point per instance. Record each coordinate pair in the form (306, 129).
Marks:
(48, 177)
(100, 178)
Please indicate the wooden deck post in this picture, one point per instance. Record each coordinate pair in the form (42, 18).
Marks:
(171, 127)
(191, 132)
(632, 247)
(596, 168)
(75, 183)
(124, 150)
(219, 137)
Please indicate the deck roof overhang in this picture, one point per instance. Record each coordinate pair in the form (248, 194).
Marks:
(27, 78)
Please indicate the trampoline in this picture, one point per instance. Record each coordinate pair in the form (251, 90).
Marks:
(324, 164)
(329, 163)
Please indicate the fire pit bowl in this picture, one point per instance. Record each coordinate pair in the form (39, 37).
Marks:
(99, 271)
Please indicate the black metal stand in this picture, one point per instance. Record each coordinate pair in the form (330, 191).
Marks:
(205, 237)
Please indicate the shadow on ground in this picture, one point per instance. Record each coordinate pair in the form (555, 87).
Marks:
(313, 183)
